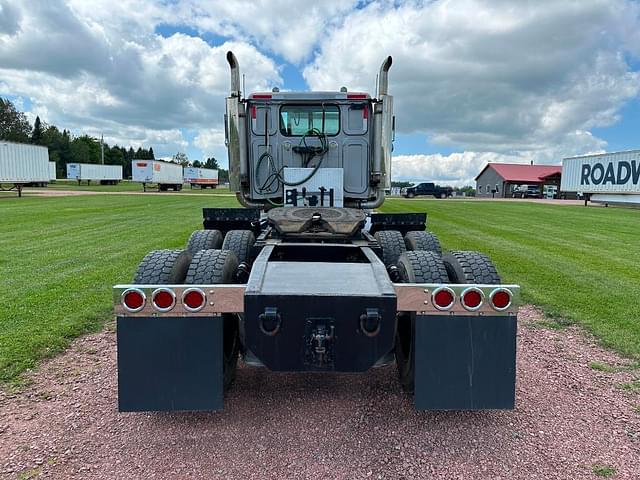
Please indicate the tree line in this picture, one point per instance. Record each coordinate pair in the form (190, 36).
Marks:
(66, 148)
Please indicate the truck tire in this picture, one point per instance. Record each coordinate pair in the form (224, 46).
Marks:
(414, 267)
(212, 266)
(163, 266)
(204, 240)
(410, 195)
(421, 240)
(219, 267)
(470, 267)
(240, 243)
(392, 245)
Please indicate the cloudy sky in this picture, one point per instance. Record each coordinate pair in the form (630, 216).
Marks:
(474, 81)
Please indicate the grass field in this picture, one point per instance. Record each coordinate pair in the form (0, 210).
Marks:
(123, 186)
(60, 256)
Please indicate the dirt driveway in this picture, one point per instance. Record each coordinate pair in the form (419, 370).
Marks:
(571, 422)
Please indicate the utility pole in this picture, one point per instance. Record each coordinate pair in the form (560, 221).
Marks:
(102, 149)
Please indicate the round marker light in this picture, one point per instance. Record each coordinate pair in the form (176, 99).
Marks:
(164, 299)
(133, 300)
(472, 298)
(194, 299)
(443, 298)
(500, 299)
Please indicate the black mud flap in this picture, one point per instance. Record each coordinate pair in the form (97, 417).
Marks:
(170, 363)
(465, 362)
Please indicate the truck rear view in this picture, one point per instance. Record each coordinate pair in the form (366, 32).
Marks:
(308, 277)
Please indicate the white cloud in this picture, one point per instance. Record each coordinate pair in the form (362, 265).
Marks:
(84, 75)
(460, 169)
(511, 78)
(500, 80)
(211, 143)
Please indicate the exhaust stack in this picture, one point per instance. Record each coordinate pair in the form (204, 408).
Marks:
(235, 74)
(383, 84)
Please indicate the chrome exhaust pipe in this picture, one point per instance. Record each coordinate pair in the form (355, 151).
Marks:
(383, 78)
(235, 74)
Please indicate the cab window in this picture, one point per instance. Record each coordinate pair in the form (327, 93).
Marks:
(298, 120)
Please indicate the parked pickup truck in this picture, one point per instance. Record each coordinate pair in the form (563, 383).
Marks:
(427, 188)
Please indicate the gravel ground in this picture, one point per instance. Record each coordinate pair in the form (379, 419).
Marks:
(569, 419)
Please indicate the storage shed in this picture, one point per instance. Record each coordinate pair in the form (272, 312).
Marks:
(498, 180)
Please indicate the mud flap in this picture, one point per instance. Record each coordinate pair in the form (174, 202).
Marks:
(170, 363)
(465, 362)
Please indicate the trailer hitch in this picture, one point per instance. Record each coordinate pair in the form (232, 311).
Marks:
(319, 338)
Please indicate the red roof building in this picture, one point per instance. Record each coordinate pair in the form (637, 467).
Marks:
(500, 179)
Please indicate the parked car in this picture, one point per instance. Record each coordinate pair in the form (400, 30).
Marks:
(427, 188)
(527, 191)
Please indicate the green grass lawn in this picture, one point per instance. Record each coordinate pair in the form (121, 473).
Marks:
(579, 264)
(123, 186)
(60, 256)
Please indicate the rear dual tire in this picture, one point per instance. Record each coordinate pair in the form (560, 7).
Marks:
(204, 240)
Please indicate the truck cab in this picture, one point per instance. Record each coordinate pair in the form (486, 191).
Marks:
(310, 148)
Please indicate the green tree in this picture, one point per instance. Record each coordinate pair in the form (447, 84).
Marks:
(181, 158)
(197, 164)
(212, 163)
(38, 132)
(14, 125)
(151, 154)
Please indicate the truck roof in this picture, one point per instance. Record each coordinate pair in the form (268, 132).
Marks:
(309, 96)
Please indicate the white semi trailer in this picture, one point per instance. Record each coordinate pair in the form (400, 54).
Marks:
(605, 178)
(52, 171)
(165, 175)
(23, 164)
(105, 174)
(202, 177)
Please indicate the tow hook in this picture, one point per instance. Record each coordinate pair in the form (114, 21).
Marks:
(370, 322)
(270, 321)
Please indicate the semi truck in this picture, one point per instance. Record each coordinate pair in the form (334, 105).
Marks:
(166, 175)
(94, 172)
(23, 165)
(308, 275)
(201, 177)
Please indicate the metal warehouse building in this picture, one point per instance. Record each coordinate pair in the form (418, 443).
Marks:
(499, 179)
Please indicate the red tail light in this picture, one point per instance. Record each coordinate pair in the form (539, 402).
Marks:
(133, 299)
(194, 299)
(164, 299)
(261, 96)
(357, 96)
(443, 298)
(472, 298)
(500, 299)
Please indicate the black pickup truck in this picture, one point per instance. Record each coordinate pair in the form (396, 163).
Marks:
(427, 188)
